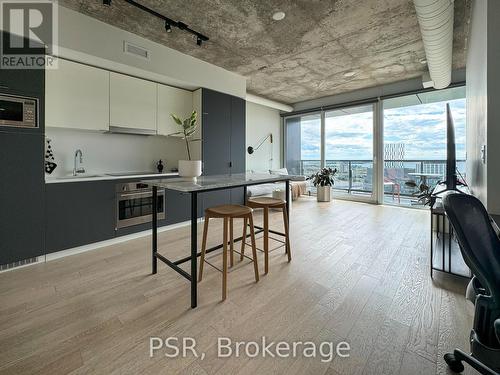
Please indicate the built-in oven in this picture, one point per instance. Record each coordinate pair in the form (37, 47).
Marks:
(18, 111)
(134, 204)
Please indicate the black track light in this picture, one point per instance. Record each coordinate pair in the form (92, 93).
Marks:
(182, 25)
(168, 28)
(169, 23)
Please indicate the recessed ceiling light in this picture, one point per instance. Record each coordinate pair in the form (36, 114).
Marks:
(278, 16)
(350, 73)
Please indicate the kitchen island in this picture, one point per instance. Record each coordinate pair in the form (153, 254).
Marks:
(193, 188)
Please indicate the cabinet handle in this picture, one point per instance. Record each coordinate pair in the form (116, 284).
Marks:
(230, 164)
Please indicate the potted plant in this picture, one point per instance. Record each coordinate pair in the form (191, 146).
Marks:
(323, 181)
(423, 193)
(188, 168)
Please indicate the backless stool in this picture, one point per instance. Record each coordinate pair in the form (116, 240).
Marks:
(228, 213)
(267, 203)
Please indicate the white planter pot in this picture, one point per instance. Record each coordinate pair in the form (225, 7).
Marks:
(324, 193)
(190, 168)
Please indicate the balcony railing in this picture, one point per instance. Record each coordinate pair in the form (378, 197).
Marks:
(356, 176)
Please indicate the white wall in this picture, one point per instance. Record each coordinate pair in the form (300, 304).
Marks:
(88, 40)
(483, 96)
(260, 122)
(477, 85)
(493, 131)
(104, 152)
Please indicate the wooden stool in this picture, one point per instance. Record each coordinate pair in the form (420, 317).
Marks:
(228, 213)
(266, 203)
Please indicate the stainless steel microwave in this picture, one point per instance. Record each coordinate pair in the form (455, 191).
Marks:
(18, 111)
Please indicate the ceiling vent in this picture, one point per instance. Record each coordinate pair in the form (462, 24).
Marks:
(435, 18)
(132, 49)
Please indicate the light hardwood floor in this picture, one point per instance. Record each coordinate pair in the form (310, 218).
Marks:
(359, 273)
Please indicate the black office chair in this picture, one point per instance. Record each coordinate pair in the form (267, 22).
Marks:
(480, 249)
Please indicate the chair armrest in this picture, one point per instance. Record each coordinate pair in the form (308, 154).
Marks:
(497, 328)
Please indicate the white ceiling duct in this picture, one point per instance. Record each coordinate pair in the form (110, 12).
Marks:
(435, 18)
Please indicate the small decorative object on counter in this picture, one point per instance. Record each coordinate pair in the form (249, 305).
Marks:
(188, 168)
(323, 181)
(159, 166)
(49, 157)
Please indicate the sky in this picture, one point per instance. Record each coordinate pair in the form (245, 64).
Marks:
(421, 128)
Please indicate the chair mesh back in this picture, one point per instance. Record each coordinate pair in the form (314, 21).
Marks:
(478, 242)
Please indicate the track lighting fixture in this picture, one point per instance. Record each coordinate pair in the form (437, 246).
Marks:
(169, 23)
(168, 28)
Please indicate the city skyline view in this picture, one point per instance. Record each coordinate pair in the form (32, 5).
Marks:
(349, 136)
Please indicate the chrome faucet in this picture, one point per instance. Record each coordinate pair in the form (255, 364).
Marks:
(79, 170)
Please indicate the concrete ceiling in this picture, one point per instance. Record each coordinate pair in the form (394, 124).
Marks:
(301, 57)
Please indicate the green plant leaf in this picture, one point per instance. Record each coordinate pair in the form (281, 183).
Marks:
(177, 120)
(176, 133)
(188, 129)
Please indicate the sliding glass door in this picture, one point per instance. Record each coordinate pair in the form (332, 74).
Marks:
(415, 142)
(349, 149)
(341, 139)
(379, 149)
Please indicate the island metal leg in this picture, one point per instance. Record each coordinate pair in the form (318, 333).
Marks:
(287, 199)
(154, 246)
(432, 243)
(194, 249)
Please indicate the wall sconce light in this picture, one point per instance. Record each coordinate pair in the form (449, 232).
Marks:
(251, 149)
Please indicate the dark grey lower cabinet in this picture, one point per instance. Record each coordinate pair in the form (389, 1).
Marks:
(237, 196)
(79, 213)
(177, 207)
(21, 197)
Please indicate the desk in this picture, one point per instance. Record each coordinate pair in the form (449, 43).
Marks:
(201, 185)
(444, 238)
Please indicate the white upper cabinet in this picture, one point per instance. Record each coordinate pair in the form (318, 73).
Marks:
(176, 101)
(77, 96)
(132, 103)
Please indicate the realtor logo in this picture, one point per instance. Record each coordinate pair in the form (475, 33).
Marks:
(29, 34)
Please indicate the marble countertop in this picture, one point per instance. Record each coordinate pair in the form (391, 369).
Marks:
(216, 182)
(104, 177)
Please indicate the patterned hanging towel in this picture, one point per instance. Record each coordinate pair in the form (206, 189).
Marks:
(49, 157)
